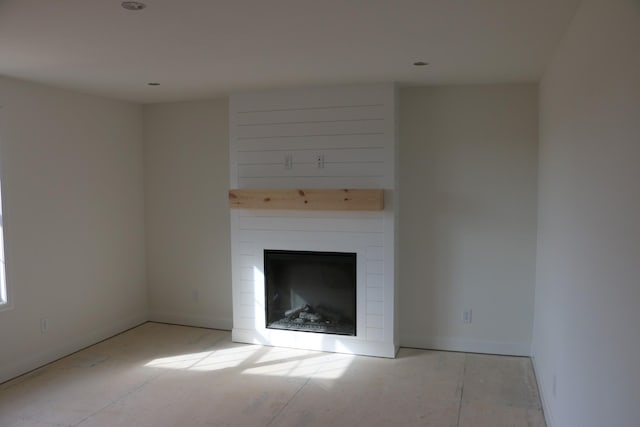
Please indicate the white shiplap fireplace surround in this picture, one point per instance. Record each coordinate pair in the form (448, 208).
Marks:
(317, 138)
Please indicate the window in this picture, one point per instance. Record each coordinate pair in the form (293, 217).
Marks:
(3, 276)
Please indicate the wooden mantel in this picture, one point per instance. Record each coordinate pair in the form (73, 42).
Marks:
(297, 199)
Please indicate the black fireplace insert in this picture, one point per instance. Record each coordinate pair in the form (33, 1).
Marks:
(311, 291)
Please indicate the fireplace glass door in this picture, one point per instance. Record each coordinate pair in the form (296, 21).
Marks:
(311, 291)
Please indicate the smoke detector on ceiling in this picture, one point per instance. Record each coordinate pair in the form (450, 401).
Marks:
(133, 5)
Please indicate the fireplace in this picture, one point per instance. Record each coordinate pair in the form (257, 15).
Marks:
(312, 270)
(310, 291)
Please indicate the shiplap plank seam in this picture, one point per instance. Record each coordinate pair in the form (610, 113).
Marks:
(244, 138)
(306, 122)
(324, 107)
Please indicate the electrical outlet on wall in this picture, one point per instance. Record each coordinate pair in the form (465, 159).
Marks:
(44, 325)
(466, 315)
(195, 295)
(288, 161)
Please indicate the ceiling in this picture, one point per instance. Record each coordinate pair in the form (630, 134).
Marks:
(208, 48)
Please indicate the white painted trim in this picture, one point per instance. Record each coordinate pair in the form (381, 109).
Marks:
(9, 271)
(211, 322)
(507, 348)
(315, 342)
(546, 409)
(52, 354)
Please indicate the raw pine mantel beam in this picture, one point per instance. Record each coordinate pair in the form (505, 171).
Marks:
(325, 200)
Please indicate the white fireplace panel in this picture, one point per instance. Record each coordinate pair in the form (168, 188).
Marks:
(277, 230)
(302, 115)
(353, 129)
(349, 125)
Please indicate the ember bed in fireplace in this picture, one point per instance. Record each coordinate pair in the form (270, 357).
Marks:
(310, 291)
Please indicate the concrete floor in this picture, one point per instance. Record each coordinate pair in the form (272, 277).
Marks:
(164, 375)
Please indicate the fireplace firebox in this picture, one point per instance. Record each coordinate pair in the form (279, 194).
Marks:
(310, 291)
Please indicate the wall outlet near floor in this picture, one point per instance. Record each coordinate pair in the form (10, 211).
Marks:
(466, 315)
(44, 325)
(195, 295)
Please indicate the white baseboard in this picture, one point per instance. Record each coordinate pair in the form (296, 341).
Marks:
(507, 348)
(306, 341)
(33, 361)
(191, 320)
(546, 409)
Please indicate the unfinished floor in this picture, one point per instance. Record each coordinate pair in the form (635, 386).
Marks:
(165, 375)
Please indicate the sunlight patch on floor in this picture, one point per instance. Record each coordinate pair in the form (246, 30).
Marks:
(256, 360)
(318, 366)
(205, 361)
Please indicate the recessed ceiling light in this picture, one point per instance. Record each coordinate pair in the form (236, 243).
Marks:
(153, 84)
(420, 63)
(133, 5)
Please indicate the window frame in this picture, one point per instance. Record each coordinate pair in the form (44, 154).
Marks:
(6, 293)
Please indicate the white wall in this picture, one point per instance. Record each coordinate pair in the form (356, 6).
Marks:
(468, 162)
(73, 190)
(187, 212)
(73, 204)
(588, 273)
